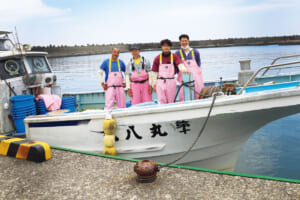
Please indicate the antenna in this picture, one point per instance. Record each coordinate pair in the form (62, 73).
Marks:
(15, 42)
(14, 39)
(18, 39)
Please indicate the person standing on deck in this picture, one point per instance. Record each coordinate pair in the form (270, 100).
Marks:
(192, 62)
(164, 68)
(114, 82)
(138, 77)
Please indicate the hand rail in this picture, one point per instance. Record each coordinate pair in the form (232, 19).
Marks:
(278, 58)
(264, 67)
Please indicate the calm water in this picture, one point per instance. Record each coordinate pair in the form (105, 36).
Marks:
(272, 151)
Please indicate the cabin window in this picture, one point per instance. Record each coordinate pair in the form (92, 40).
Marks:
(38, 64)
(6, 45)
(10, 68)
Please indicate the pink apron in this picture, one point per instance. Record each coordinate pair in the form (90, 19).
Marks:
(196, 71)
(139, 86)
(115, 90)
(166, 84)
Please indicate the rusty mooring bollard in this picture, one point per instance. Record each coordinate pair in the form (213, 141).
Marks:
(146, 171)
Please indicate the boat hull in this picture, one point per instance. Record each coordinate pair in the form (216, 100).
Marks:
(164, 133)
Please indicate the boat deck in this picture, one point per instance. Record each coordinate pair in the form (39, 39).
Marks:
(70, 175)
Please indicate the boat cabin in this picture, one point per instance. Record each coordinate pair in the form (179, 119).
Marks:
(22, 71)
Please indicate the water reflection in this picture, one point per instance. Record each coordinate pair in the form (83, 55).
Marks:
(273, 150)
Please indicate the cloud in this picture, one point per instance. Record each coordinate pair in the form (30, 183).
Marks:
(41, 24)
(208, 9)
(268, 5)
(20, 10)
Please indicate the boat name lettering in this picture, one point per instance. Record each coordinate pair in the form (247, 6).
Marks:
(131, 129)
(156, 130)
(183, 125)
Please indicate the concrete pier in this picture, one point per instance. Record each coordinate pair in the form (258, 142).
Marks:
(69, 175)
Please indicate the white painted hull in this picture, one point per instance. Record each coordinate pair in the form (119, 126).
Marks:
(232, 122)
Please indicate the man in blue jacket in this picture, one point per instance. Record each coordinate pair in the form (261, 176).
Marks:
(192, 62)
(114, 80)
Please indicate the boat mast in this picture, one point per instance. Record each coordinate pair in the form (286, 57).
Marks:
(17, 37)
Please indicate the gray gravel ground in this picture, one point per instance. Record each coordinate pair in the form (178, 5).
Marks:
(70, 175)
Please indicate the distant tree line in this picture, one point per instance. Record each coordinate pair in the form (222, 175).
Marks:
(90, 49)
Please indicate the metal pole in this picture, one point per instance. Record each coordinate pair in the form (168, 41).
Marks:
(191, 96)
(278, 58)
(264, 67)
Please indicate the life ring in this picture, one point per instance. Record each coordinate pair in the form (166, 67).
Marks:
(12, 67)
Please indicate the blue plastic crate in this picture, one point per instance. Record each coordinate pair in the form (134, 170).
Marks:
(20, 126)
(22, 100)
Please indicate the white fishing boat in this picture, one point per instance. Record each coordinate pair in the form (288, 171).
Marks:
(162, 132)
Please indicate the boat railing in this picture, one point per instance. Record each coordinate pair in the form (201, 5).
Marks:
(278, 58)
(264, 68)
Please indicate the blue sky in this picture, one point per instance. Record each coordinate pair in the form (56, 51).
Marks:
(103, 22)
